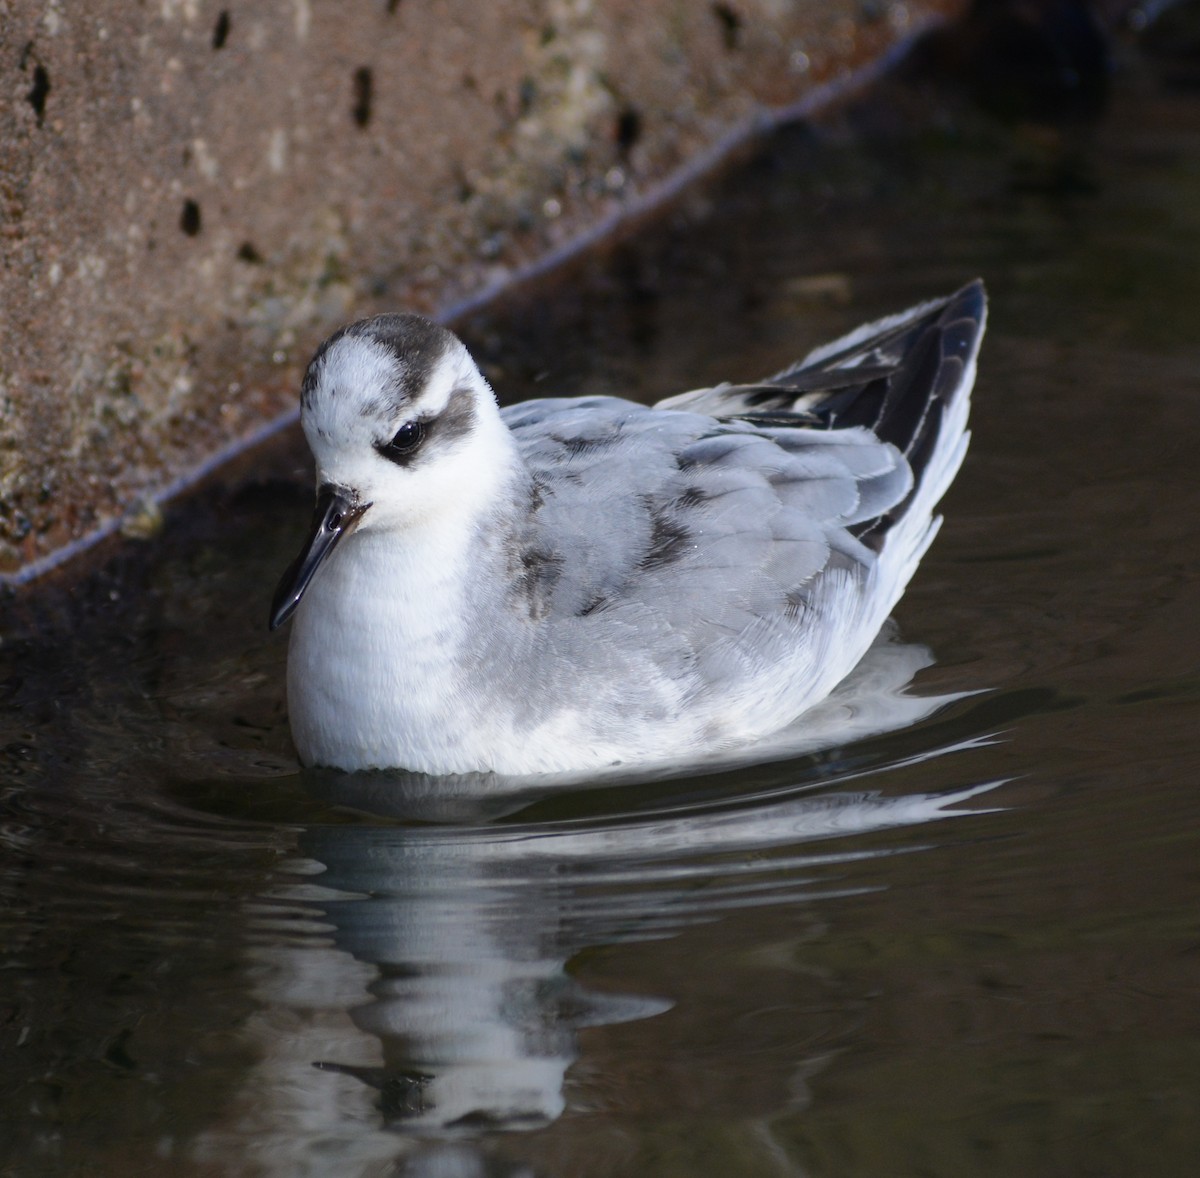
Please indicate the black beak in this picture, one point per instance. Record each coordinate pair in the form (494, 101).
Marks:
(335, 516)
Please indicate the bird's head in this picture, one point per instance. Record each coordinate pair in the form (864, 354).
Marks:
(403, 427)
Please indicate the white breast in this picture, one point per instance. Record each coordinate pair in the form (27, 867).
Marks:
(373, 665)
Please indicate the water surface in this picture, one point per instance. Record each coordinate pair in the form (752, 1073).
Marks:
(960, 936)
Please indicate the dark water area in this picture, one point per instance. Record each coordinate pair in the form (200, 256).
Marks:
(958, 935)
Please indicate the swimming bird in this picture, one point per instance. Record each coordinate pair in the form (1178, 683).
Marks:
(571, 584)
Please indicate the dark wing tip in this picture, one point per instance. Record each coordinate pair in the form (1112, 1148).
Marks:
(963, 317)
(898, 378)
(917, 362)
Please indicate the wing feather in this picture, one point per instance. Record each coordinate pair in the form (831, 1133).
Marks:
(731, 526)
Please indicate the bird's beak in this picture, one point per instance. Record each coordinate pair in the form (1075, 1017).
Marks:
(335, 516)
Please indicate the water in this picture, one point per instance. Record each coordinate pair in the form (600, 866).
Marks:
(961, 939)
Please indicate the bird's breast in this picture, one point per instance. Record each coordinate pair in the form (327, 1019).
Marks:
(375, 667)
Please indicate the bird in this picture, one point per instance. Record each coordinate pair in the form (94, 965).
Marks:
(573, 584)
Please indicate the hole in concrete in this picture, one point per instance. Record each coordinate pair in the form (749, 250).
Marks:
(392, 5)
(247, 253)
(526, 96)
(189, 219)
(465, 189)
(362, 95)
(39, 91)
(629, 129)
(731, 24)
(221, 30)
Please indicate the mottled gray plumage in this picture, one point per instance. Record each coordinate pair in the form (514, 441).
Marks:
(717, 511)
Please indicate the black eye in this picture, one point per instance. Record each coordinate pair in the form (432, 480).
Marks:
(408, 437)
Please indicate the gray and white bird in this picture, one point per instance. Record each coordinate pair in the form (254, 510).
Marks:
(566, 585)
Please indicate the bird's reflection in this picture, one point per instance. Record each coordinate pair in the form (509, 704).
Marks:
(447, 947)
(476, 1014)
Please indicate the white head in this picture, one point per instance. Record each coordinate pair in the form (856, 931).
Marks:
(403, 428)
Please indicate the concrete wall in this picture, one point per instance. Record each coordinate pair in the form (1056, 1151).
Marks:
(192, 193)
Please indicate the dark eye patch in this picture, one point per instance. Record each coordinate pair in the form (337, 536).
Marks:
(406, 442)
(452, 424)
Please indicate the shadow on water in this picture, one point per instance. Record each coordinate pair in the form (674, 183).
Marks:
(948, 928)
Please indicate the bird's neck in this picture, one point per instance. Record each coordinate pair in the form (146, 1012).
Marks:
(425, 578)
(393, 627)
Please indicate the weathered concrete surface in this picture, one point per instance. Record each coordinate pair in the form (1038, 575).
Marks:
(193, 192)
